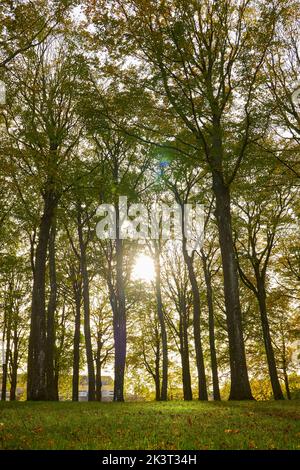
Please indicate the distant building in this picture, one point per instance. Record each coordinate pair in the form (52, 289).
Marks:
(107, 388)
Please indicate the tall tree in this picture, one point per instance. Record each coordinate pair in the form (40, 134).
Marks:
(182, 193)
(262, 219)
(81, 222)
(179, 293)
(45, 136)
(162, 323)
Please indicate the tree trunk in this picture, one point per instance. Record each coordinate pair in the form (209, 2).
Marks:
(117, 298)
(13, 384)
(163, 331)
(52, 392)
(287, 386)
(184, 353)
(98, 382)
(119, 322)
(261, 295)
(76, 341)
(14, 364)
(211, 323)
(157, 365)
(157, 387)
(4, 382)
(36, 381)
(284, 368)
(240, 386)
(98, 369)
(86, 310)
(7, 352)
(202, 389)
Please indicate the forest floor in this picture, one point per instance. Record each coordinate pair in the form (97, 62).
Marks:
(172, 425)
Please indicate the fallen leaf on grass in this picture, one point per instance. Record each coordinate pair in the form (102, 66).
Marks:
(231, 431)
(38, 429)
(252, 445)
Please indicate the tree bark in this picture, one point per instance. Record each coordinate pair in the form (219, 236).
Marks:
(52, 391)
(162, 324)
(261, 296)
(7, 337)
(86, 310)
(98, 368)
(287, 386)
(36, 381)
(184, 353)
(76, 340)
(211, 326)
(202, 389)
(119, 322)
(240, 386)
(14, 363)
(156, 375)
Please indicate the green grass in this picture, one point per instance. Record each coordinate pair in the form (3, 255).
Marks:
(172, 425)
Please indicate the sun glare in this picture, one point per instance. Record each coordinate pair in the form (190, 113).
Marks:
(143, 269)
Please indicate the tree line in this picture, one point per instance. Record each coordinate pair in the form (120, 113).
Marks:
(162, 102)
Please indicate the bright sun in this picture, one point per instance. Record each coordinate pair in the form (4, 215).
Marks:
(143, 269)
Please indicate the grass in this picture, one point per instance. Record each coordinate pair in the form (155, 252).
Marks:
(171, 425)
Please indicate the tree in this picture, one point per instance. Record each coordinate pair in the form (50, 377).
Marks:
(25, 25)
(180, 297)
(207, 257)
(102, 337)
(144, 333)
(161, 320)
(282, 69)
(182, 193)
(262, 219)
(44, 139)
(14, 293)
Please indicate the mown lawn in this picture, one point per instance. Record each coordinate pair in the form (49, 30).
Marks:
(172, 425)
